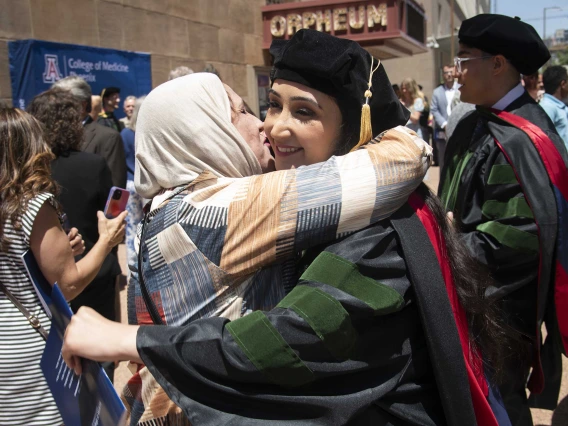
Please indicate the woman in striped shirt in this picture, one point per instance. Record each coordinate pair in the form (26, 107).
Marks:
(30, 221)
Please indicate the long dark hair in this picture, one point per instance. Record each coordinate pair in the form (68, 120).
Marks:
(496, 342)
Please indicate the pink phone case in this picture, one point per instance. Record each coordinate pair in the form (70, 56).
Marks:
(116, 202)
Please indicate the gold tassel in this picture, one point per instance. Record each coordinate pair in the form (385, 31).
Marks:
(366, 133)
(366, 128)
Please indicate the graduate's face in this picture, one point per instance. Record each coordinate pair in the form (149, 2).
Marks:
(475, 75)
(302, 124)
(112, 102)
(251, 129)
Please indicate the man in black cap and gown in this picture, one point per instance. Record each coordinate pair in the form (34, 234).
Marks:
(506, 183)
(111, 101)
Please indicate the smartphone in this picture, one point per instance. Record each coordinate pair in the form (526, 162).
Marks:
(116, 202)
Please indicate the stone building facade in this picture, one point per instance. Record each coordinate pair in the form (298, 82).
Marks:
(224, 33)
(426, 68)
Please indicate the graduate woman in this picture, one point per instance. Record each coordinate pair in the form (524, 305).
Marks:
(386, 325)
(214, 244)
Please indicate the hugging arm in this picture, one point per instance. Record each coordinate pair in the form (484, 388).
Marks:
(281, 364)
(272, 217)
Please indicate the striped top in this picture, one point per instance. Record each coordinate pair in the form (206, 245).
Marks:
(25, 398)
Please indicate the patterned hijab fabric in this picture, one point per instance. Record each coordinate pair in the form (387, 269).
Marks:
(184, 128)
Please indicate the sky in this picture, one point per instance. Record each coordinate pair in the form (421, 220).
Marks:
(531, 11)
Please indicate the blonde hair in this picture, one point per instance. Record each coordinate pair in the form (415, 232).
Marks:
(414, 90)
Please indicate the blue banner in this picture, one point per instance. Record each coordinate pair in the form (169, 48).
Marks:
(35, 65)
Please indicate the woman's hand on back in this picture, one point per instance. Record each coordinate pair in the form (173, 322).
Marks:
(111, 231)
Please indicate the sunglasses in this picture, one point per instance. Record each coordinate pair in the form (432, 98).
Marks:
(458, 61)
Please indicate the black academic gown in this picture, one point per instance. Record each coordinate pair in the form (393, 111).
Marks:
(109, 120)
(496, 215)
(349, 345)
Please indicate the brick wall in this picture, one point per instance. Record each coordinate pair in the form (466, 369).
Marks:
(421, 67)
(224, 33)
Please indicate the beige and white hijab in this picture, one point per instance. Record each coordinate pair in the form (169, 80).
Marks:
(184, 128)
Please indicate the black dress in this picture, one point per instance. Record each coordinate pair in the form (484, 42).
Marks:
(85, 181)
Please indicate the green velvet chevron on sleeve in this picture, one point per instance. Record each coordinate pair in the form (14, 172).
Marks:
(268, 351)
(502, 174)
(510, 236)
(515, 207)
(333, 270)
(325, 315)
(265, 347)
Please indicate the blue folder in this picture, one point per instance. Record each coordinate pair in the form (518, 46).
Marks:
(86, 400)
(41, 285)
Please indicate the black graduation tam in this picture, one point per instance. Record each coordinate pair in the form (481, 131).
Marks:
(339, 68)
(107, 91)
(502, 35)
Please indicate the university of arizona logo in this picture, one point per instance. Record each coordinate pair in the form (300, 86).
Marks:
(52, 73)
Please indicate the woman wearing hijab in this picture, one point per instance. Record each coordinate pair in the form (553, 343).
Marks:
(377, 331)
(216, 246)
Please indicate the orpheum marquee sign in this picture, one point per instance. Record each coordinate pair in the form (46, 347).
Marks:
(325, 20)
(395, 27)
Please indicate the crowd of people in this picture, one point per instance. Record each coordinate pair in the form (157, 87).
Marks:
(298, 270)
(432, 121)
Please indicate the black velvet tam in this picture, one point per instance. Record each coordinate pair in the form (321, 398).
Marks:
(339, 68)
(107, 91)
(502, 35)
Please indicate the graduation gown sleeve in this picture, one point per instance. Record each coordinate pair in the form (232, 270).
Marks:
(344, 347)
(497, 224)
